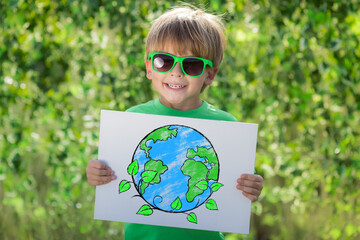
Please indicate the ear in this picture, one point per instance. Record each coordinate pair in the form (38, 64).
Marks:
(210, 76)
(148, 69)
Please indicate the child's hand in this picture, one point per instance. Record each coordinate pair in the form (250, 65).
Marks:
(251, 185)
(98, 173)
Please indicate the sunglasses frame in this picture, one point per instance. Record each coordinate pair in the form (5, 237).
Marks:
(179, 60)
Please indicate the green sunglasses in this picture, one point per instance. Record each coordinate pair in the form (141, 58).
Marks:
(191, 66)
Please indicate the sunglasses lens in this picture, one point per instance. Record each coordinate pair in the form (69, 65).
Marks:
(162, 63)
(193, 66)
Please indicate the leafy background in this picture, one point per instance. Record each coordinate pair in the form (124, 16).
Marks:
(291, 66)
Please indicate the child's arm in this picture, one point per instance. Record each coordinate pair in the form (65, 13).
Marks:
(251, 185)
(98, 173)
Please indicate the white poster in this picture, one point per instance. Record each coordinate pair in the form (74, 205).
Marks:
(176, 172)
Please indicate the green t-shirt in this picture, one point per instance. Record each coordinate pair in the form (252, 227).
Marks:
(150, 232)
(205, 111)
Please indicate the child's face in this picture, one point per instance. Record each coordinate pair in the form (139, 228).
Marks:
(177, 90)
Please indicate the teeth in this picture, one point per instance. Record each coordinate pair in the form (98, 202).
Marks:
(176, 86)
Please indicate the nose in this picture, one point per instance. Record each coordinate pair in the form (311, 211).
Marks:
(177, 71)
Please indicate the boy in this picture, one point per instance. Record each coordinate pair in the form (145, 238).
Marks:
(183, 52)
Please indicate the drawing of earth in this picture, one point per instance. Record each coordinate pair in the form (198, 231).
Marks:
(176, 167)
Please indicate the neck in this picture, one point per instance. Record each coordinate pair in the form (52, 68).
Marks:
(181, 106)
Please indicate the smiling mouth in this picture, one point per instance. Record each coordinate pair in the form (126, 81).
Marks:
(175, 86)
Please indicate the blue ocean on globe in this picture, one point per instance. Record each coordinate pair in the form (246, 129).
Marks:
(164, 153)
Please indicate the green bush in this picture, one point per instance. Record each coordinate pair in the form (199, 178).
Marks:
(291, 66)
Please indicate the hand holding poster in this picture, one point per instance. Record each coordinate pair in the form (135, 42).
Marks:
(173, 171)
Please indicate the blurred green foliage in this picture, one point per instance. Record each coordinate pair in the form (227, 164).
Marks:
(291, 66)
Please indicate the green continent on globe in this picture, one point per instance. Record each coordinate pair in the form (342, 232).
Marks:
(210, 158)
(197, 172)
(161, 134)
(157, 168)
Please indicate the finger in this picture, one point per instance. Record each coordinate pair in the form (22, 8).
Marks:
(100, 172)
(247, 183)
(253, 198)
(99, 165)
(94, 164)
(104, 179)
(98, 180)
(251, 177)
(249, 190)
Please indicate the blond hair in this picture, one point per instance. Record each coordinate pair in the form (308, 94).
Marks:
(188, 29)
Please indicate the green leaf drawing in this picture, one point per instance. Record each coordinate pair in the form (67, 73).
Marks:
(215, 186)
(133, 168)
(145, 210)
(192, 217)
(203, 185)
(148, 176)
(176, 204)
(124, 186)
(211, 205)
